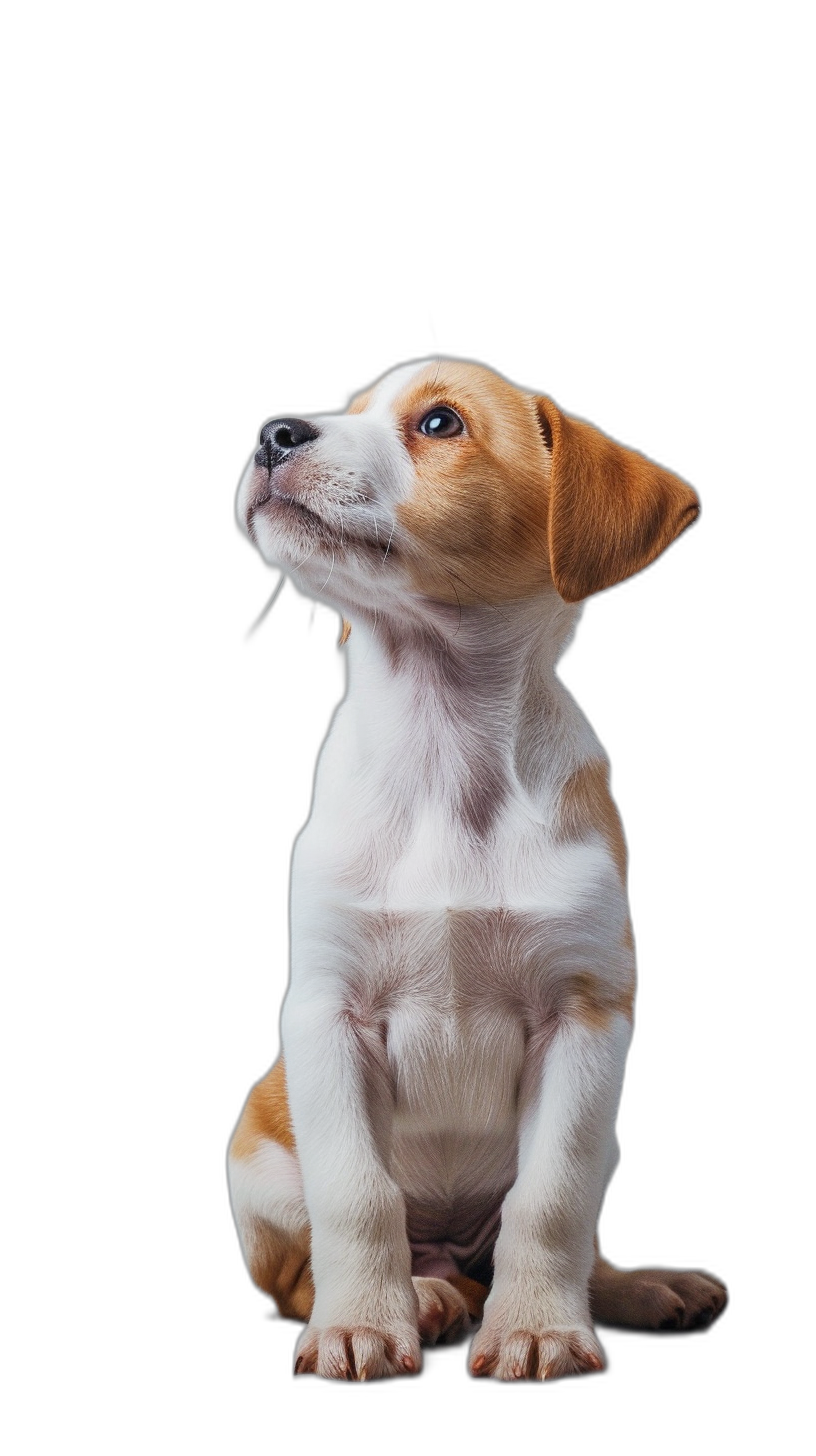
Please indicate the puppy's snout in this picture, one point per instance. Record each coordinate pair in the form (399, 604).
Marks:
(280, 437)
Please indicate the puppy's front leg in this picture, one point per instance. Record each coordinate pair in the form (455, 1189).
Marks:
(537, 1322)
(364, 1320)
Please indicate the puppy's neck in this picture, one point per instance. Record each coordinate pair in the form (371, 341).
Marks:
(470, 693)
(481, 651)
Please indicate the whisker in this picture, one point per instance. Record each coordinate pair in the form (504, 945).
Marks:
(373, 631)
(388, 547)
(328, 578)
(304, 559)
(268, 608)
(455, 575)
(456, 594)
(472, 588)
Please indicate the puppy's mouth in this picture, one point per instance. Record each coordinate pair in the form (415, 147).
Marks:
(289, 504)
(270, 499)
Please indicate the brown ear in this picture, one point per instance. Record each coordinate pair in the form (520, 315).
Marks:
(611, 510)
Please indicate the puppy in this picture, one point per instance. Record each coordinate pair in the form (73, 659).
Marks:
(463, 971)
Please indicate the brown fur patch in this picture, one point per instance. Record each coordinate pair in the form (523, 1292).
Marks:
(527, 496)
(265, 1115)
(612, 511)
(587, 808)
(360, 402)
(478, 515)
(655, 1299)
(593, 1001)
(473, 1293)
(280, 1265)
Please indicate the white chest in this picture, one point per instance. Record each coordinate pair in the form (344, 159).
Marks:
(432, 850)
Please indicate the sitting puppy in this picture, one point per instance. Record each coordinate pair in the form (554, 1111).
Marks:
(463, 969)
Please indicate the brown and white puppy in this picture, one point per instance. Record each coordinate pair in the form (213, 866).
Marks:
(463, 969)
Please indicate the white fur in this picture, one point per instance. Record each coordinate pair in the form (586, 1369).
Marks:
(427, 1075)
(378, 941)
(267, 1185)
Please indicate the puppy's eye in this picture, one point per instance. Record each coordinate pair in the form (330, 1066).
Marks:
(441, 423)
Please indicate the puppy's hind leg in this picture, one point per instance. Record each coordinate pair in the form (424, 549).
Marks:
(448, 1307)
(655, 1299)
(267, 1198)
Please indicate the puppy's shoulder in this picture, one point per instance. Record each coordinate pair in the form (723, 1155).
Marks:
(265, 1117)
(584, 808)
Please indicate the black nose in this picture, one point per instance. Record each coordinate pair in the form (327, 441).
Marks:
(280, 437)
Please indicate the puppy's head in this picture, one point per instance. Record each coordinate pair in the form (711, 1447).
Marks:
(445, 483)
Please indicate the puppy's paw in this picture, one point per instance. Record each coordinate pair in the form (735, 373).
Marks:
(657, 1299)
(358, 1352)
(535, 1354)
(443, 1313)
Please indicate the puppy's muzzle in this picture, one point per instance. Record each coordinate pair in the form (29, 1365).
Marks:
(279, 438)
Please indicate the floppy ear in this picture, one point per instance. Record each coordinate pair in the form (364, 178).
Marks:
(612, 511)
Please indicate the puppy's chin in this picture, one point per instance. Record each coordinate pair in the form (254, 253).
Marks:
(349, 564)
(282, 527)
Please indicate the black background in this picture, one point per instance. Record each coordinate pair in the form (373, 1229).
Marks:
(650, 666)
